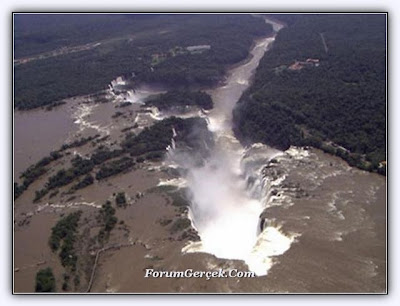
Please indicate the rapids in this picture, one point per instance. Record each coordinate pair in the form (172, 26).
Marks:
(228, 192)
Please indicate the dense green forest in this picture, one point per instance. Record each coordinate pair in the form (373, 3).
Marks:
(38, 33)
(45, 281)
(151, 143)
(86, 181)
(114, 167)
(179, 98)
(63, 177)
(63, 236)
(129, 43)
(107, 220)
(339, 101)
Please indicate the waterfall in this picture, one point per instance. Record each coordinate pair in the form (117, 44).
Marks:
(229, 191)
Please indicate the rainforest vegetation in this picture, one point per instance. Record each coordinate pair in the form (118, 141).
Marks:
(150, 144)
(63, 236)
(45, 281)
(338, 104)
(181, 98)
(153, 47)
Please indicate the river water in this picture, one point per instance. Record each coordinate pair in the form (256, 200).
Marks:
(307, 223)
(35, 135)
(225, 209)
(306, 207)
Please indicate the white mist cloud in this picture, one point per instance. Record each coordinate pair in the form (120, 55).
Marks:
(228, 191)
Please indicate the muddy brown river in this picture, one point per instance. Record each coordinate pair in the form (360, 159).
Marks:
(323, 223)
(37, 132)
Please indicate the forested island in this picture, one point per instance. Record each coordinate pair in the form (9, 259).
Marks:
(174, 50)
(323, 84)
(150, 144)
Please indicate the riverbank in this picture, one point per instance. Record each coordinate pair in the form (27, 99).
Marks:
(298, 212)
(326, 102)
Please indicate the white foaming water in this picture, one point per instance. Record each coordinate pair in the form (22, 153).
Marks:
(139, 95)
(225, 207)
(81, 116)
(223, 213)
(177, 182)
(270, 243)
(119, 81)
(226, 212)
(155, 113)
(118, 89)
(134, 97)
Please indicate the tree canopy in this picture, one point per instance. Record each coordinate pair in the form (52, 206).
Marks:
(341, 99)
(139, 40)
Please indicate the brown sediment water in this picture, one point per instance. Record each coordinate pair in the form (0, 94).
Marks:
(334, 215)
(223, 210)
(38, 132)
(305, 200)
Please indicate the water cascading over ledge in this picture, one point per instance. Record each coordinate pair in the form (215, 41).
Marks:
(228, 191)
(227, 200)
